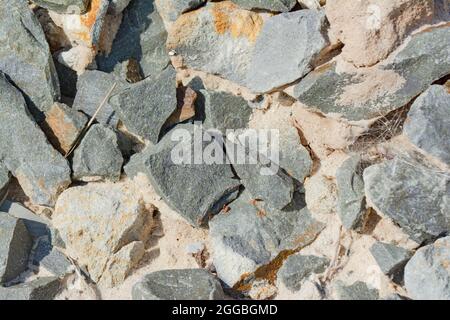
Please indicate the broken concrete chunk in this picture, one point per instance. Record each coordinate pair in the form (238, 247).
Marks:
(40, 289)
(294, 157)
(272, 5)
(184, 284)
(357, 291)
(65, 6)
(390, 258)
(98, 156)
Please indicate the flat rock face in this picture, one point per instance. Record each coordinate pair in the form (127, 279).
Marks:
(4, 181)
(145, 106)
(428, 124)
(170, 10)
(41, 171)
(98, 155)
(97, 220)
(15, 247)
(390, 258)
(427, 274)
(272, 5)
(187, 284)
(65, 6)
(383, 88)
(25, 55)
(294, 157)
(413, 196)
(357, 291)
(40, 289)
(250, 235)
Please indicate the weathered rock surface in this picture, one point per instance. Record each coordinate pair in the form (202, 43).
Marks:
(41, 171)
(273, 5)
(65, 6)
(357, 291)
(170, 10)
(117, 6)
(4, 181)
(428, 124)
(25, 55)
(294, 157)
(98, 156)
(40, 289)
(415, 197)
(97, 220)
(427, 274)
(187, 284)
(250, 235)
(390, 258)
(56, 263)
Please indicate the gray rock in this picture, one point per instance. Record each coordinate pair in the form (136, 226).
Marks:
(40, 289)
(187, 284)
(15, 247)
(428, 124)
(250, 235)
(425, 59)
(427, 274)
(4, 182)
(41, 171)
(68, 79)
(357, 291)
(272, 5)
(142, 37)
(56, 263)
(390, 258)
(351, 198)
(25, 55)
(294, 157)
(98, 155)
(286, 49)
(298, 267)
(117, 6)
(170, 10)
(415, 197)
(65, 6)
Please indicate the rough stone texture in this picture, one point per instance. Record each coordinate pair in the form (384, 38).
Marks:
(428, 123)
(41, 171)
(145, 106)
(170, 10)
(415, 197)
(390, 258)
(298, 267)
(272, 5)
(294, 157)
(117, 6)
(372, 29)
(98, 155)
(56, 263)
(15, 246)
(249, 235)
(381, 89)
(286, 49)
(97, 220)
(427, 274)
(65, 6)
(40, 289)
(357, 291)
(183, 284)
(351, 198)
(142, 37)
(25, 55)
(4, 181)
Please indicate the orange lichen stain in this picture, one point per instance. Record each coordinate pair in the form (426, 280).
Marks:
(88, 20)
(447, 85)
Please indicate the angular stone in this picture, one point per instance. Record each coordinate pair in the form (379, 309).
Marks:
(183, 284)
(145, 107)
(25, 55)
(117, 6)
(294, 157)
(40, 289)
(68, 79)
(4, 182)
(413, 196)
(56, 263)
(428, 123)
(170, 10)
(97, 220)
(357, 291)
(286, 49)
(427, 274)
(42, 172)
(65, 6)
(272, 5)
(298, 267)
(383, 88)
(249, 235)
(186, 98)
(390, 258)
(142, 37)
(351, 198)
(98, 156)
(15, 247)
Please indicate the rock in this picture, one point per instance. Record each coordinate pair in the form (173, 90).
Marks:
(194, 189)
(286, 49)
(298, 267)
(117, 6)
(15, 246)
(186, 98)
(390, 258)
(413, 196)
(4, 182)
(146, 117)
(41, 171)
(170, 10)
(357, 291)
(376, 91)
(351, 198)
(272, 5)
(250, 235)
(62, 126)
(25, 56)
(310, 4)
(187, 284)
(427, 274)
(294, 157)
(97, 220)
(98, 156)
(40, 289)
(68, 79)
(65, 6)
(428, 123)
(56, 263)
(367, 27)
(142, 37)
